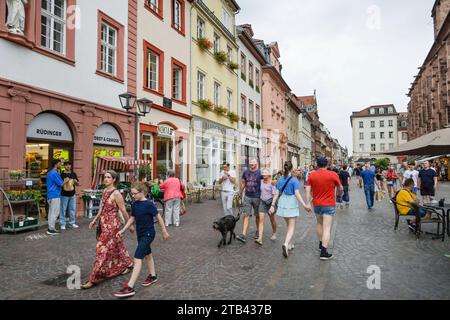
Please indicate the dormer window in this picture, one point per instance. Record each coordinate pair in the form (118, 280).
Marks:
(372, 111)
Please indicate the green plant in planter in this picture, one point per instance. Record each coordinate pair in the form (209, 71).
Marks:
(221, 56)
(252, 124)
(221, 110)
(250, 82)
(243, 76)
(258, 126)
(244, 120)
(204, 43)
(204, 104)
(258, 90)
(233, 65)
(233, 117)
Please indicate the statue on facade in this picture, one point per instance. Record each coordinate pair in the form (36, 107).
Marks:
(16, 16)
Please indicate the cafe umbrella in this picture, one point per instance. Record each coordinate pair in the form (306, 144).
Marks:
(432, 144)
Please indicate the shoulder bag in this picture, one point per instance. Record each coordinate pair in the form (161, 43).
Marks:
(281, 192)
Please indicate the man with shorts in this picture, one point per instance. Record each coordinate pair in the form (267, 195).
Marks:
(427, 182)
(323, 184)
(251, 183)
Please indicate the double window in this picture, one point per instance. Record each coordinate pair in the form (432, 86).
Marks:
(178, 15)
(372, 135)
(391, 135)
(200, 85)
(257, 78)
(108, 49)
(361, 136)
(200, 28)
(229, 54)
(226, 19)
(258, 115)
(229, 100)
(251, 115)
(244, 106)
(372, 124)
(154, 69)
(53, 25)
(250, 73)
(243, 66)
(178, 81)
(381, 123)
(216, 43)
(373, 147)
(361, 123)
(217, 93)
(391, 123)
(155, 7)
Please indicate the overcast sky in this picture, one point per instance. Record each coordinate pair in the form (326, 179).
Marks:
(356, 53)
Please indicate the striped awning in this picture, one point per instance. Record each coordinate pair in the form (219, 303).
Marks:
(119, 164)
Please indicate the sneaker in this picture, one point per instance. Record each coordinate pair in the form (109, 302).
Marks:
(342, 206)
(256, 234)
(285, 251)
(291, 247)
(63, 227)
(125, 292)
(325, 255)
(241, 238)
(347, 205)
(150, 280)
(320, 246)
(259, 242)
(75, 226)
(52, 232)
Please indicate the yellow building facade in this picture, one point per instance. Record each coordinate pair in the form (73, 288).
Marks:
(214, 88)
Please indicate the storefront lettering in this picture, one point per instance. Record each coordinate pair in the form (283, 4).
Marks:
(106, 139)
(49, 132)
(165, 131)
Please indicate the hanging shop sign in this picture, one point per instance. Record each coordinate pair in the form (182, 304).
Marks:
(48, 126)
(165, 131)
(106, 134)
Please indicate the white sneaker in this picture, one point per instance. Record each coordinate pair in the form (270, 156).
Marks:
(291, 247)
(75, 226)
(63, 227)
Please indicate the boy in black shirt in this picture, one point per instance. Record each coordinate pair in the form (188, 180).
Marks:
(344, 176)
(143, 212)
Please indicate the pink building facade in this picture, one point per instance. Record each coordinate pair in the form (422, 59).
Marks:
(274, 92)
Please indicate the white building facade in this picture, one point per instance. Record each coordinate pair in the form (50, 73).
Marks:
(249, 89)
(375, 130)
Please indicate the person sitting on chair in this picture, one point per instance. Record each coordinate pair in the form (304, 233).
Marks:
(407, 200)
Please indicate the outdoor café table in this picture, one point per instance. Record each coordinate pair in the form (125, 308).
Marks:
(445, 214)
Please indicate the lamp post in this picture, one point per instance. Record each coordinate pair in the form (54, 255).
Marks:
(128, 102)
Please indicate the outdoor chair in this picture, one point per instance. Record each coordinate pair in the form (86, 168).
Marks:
(190, 192)
(419, 220)
(202, 191)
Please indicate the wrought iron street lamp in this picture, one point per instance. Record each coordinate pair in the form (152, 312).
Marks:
(128, 102)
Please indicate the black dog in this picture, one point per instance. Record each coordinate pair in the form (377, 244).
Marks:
(225, 225)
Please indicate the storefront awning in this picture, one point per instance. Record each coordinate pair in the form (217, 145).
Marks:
(119, 164)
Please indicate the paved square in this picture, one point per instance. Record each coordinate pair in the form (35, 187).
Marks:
(190, 266)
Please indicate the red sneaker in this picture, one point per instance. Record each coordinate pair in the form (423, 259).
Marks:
(125, 292)
(150, 280)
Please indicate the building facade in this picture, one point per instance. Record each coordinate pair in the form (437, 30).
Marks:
(306, 139)
(429, 106)
(375, 130)
(274, 91)
(214, 88)
(164, 77)
(250, 112)
(51, 104)
(293, 112)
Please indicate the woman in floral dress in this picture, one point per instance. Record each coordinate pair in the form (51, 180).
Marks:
(111, 258)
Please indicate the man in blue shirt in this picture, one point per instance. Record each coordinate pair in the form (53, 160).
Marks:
(54, 184)
(251, 183)
(368, 178)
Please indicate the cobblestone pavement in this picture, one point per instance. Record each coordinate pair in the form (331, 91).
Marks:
(190, 266)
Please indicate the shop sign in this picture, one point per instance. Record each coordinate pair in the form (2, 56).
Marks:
(106, 134)
(165, 131)
(49, 126)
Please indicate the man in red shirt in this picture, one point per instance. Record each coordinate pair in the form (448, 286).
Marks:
(323, 184)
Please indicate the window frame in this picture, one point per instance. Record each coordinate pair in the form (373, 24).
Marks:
(250, 72)
(373, 147)
(50, 14)
(160, 8)
(102, 18)
(258, 114)
(251, 111)
(183, 68)
(229, 100)
(243, 106)
(217, 88)
(201, 22)
(216, 42)
(243, 65)
(160, 88)
(203, 82)
(182, 28)
(361, 123)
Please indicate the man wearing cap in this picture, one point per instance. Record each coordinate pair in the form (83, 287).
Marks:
(251, 183)
(323, 184)
(228, 181)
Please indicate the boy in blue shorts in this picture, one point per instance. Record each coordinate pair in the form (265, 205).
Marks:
(143, 212)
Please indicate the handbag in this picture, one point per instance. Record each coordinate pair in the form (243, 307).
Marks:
(281, 192)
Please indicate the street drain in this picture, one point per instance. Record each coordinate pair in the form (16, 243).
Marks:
(59, 281)
(246, 268)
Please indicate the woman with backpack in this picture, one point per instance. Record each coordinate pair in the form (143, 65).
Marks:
(173, 194)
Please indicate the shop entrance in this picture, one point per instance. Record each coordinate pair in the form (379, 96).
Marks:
(165, 156)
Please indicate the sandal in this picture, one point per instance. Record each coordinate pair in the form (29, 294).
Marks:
(259, 242)
(127, 270)
(87, 285)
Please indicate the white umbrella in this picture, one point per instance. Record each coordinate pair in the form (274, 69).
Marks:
(432, 144)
